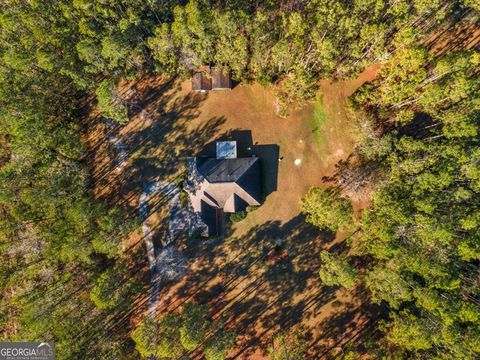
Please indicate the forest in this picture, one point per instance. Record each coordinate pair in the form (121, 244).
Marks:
(63, 274)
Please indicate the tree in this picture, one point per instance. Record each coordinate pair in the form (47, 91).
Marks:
(112, 289)
(386, 284)
(326, 209)
(419, 234)
(112, 222)
(91, 52)
(159, 339)
(287, 345)
(411, 332)
(336, 270)
(109, 103)
(218, 345)
(164, 50)
(146, 338)
(370, 145)
(194, 325)
(115, 48)
(183, 331)
(231, 41)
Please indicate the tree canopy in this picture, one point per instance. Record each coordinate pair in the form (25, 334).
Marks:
(327, 209)
(422, 230)
(183, 331)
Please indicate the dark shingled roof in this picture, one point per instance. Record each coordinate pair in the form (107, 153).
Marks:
(250, 180)
(225, 170)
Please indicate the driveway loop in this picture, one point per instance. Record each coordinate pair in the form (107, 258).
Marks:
(168, 264)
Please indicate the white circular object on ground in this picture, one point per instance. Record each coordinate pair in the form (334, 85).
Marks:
(298, 162)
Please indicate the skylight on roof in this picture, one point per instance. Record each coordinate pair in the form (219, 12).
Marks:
(226, 149)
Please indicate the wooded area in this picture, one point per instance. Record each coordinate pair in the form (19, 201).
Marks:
(63, 275)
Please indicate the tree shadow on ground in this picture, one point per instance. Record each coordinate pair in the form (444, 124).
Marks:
(459, 32)
(156, 140)
(234, 276)
(237, 280)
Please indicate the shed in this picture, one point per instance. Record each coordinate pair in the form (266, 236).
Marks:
(220, 79)
(210, 78)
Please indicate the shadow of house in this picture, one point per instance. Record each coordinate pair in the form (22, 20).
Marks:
(227, 176)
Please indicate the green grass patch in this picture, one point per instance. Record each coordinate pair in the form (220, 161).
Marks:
(319, 117)
(238, 216)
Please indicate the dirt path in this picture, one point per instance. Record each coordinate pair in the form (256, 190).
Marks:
(177, 222)
(122, 154)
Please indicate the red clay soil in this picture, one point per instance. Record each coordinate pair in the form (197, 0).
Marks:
(462, 35)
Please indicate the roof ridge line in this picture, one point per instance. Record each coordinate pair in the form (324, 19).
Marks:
(243, 173)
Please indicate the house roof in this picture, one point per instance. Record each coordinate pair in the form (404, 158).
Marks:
(228, 184)
(224, 170)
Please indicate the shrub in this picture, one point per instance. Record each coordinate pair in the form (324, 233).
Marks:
(238, 216)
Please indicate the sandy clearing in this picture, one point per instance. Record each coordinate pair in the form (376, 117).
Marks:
(172, 123)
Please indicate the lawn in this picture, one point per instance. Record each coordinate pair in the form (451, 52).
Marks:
(318, 119)
(234, 274)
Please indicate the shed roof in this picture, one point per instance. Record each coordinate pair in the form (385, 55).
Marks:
(211, 78)
(220, 79)
(201, 82)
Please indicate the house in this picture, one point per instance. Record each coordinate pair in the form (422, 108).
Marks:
(223, 184)
(210, 78)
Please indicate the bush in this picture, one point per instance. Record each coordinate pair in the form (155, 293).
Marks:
(238, 216)
(183, 195)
